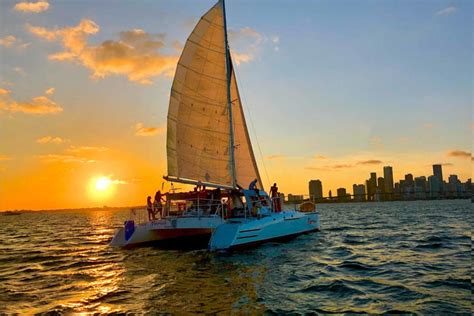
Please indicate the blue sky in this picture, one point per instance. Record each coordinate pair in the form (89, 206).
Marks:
(328, 84)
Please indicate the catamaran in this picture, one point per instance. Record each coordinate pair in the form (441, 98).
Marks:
(208, 144)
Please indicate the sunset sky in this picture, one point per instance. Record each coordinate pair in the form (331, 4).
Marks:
(334, 89)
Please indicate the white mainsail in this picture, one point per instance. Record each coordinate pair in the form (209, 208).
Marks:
(202, 144)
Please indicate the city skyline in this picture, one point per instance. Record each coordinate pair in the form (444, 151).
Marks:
(84, 95)
(385, 189)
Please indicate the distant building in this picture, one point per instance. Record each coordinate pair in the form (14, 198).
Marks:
(388, 176)
(342, 195)
(434, 187)
(293, 198)
(282, 196)
(438, 172)
(358, 191)
(315, 190)
(372, 186)
(380, 191)
(454, 187)
(438, 177)
(421, 187)
(407, 187)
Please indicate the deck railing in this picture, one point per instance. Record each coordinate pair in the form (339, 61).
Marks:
(186, 207)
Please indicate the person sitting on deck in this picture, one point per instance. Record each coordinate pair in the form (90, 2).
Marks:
(149, 208)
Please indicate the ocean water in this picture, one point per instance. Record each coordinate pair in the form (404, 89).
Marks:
(370, 258)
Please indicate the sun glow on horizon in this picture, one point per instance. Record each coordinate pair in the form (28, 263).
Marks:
(101, 188)
(102, 183)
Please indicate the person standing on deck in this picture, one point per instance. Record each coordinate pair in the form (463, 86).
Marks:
(275, 198)
(149, 208)
(158, 207)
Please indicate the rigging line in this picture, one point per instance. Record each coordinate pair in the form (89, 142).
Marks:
(247, 106)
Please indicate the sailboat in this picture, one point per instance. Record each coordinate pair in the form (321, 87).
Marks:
(208, 145)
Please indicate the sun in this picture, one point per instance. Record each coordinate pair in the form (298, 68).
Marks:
(102, 183)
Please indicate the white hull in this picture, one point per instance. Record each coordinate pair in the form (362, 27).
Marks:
(167, 229)
(245, 232)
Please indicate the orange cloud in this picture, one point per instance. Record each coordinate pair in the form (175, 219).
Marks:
(86, 149)
(37, 106)
(63, 159)
(7, 41)
(141, 130)
(136, 54)
(4, 91)
(5, 157)
(370, 162)
(459, 153)
(50, 91)
(50, 139)
(32, 7)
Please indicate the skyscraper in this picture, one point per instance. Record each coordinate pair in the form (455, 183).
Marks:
(371, 186)
(388, 178)
(358, 192)
(438, 172)
(341, 195)
(315, 190)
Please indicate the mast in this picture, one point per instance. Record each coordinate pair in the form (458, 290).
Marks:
(229, 101)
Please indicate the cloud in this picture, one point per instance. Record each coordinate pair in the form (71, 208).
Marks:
(64, 159)
(8, 41)
(136, 54)
(246, 44)
(118, 181)
(428, 125)
(5, 157)
(12, 41)
(340, 166)
(447, 164)
(50, 139)
(447, 11)
(32, 7)
(37, 106)
(50, 91)
(86, 149)
(459, 153)
(321, 157)
(4, 91)
(239, 58)
(315, 168)
(370, 162)
(141, 130)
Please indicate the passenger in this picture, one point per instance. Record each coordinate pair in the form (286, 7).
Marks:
(275, 198)
(149, 208)
(253, 186)
(158, 207)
